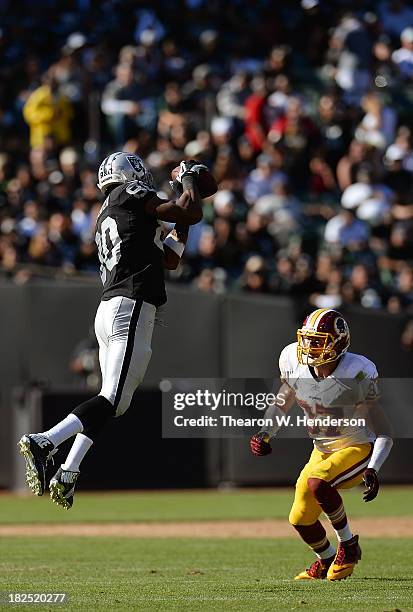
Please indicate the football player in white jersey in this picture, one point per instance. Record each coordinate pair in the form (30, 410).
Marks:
(338, 393)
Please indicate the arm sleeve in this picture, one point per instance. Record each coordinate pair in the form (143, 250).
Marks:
(381, 450)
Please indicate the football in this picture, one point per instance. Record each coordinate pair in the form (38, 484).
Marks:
(207, 185)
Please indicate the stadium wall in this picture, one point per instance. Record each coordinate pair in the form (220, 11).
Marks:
(205, 336)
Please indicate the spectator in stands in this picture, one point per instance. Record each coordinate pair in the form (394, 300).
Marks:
(403, 57)
(378, 125)
(255, 120)
(404, 285)
(352, 43)
(120, 104)
(48, 113)
(254, 278)
(365, 292)
(346, 230)
(262, 180)
(350, 163)
(395, 15)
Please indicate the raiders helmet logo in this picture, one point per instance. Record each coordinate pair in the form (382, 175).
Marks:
(136, 165)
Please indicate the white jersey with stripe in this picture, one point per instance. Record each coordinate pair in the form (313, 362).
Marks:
(341, 397)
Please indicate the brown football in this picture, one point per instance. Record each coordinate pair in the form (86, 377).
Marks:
(207, 185)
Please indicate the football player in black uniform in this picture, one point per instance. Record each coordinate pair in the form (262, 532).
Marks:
(133, 252)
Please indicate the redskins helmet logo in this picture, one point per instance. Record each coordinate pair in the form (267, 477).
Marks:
(340, 326)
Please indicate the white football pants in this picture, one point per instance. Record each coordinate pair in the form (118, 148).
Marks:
(124, 330)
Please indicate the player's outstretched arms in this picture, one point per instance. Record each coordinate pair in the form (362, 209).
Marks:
(260, 442)
(187, 209)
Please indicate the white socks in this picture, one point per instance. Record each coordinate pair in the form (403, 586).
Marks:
(327, 554)
(70, 426)
(76, 454)
(344, 534)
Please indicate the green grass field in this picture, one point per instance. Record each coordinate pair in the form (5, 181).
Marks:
(187, 506)
(105, 573)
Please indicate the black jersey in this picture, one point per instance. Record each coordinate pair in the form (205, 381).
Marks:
(129, 246)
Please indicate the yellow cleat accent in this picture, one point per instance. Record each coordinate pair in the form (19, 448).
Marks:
(348, 554)
(340, 572)
(304, 576)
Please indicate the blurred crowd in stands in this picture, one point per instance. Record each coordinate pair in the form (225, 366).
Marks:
(302, 110)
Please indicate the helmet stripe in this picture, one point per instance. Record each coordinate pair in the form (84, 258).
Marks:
(321, 314)
(314, 316)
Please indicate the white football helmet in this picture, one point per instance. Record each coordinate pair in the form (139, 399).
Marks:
(121, 168)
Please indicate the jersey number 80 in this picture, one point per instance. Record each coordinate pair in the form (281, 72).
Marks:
(108, 242)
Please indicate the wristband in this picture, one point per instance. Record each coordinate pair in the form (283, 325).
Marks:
(172, 242)
(381, 449)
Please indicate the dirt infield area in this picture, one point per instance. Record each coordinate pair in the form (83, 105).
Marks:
(368, 527)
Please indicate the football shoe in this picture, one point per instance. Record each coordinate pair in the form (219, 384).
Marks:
(348, 554)
(317, 570)
(62, 487)
(37, 450)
